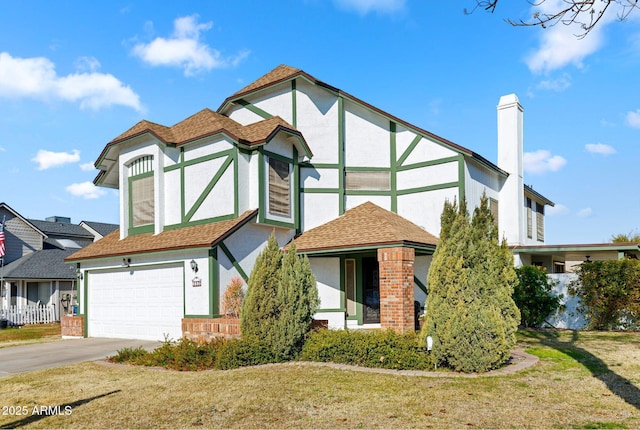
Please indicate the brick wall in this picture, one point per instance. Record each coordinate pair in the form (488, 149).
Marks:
(206, 329)
(72, 325)
(396, 288)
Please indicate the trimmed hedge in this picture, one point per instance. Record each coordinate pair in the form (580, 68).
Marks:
(376, 348)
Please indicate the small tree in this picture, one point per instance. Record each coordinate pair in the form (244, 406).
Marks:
(297, 301)
(534, 296)
(470, 313)
(259, 308)
(232, 298)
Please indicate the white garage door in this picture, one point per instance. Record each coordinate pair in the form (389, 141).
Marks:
(136, 303)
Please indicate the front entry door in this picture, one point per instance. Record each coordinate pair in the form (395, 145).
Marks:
(371, 291)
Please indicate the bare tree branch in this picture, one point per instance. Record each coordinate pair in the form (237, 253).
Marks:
(587, 13)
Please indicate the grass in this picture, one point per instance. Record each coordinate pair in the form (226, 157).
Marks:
(586, 380)
(32, 333)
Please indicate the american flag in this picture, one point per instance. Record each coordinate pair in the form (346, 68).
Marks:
(2, 249)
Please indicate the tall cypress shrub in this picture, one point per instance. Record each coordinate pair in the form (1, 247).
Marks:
(297, 301)
(470, 313)
(260, 307)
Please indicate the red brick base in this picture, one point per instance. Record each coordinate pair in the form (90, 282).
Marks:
(396, 288)
(206, 329)
(72, 325)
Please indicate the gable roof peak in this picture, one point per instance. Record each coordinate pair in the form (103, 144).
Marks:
(282, 72)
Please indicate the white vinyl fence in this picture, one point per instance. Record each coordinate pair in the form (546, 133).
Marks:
(31, 314)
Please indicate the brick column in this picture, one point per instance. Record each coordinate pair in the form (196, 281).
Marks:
(72, 325)
(396, 288)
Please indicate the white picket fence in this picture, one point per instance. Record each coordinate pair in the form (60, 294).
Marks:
(31, 314)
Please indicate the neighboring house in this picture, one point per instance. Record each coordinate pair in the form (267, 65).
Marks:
(34, 271)
(360, 190)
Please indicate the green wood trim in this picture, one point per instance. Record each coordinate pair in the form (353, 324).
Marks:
(422, 286)
(205, 193)
(200, 222)
(367, 169)
(214, 282)
(341, 158)
(320, 190)
(236, 187)
(461, 179)
(233, 261)
(294, 104)
(428, 188)
(262, 183)
(425, 249)
(149, 228)
(197, 316)
(309, 165)
(430, 163)
(282, 158)
(368, 192)
(277, 223)
(183, 203)
(332, 310)
(297, 212)
(409, 150)
(254, 109)
(392, 163)
(85, 315)
(204, 158)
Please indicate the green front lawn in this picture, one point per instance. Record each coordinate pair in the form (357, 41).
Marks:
(29, 334)
(590, 380)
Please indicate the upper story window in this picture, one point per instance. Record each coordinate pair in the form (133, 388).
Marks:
(529, 219)
(367, 180)
(540, 221)
(141, 193)
(279, 187)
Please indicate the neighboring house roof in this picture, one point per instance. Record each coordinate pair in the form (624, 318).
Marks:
(44, 264)
(198, 236)
(62, 229)
(364, 226)
(17, 215)
(529, 190)
(550, 249)
(100, 228)
(284, 73)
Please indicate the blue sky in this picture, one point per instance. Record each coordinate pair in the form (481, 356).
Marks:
(74, 75)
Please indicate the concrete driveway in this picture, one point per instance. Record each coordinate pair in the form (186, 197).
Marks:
(25, 358)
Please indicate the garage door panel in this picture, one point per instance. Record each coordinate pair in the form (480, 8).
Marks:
(136, 304)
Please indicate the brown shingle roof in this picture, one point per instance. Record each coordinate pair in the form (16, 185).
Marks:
(197, 236)
(282, 72)
(364, 226)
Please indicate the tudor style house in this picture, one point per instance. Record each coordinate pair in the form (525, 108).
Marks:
(359, 190)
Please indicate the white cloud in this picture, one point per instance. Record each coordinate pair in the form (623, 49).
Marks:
(542, 161)
(37, 78)
(559, 45)
(633, 119)
(48, 159)
(87, 167)
(86, 190)
(2, 149)
(600, 148)
(583, 213)
(556, 85)
(365, 6)
(558, 209)
(185, 50)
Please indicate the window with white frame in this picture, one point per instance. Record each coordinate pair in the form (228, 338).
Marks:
(279, 187)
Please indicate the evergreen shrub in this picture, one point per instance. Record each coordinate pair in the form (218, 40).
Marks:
(533, 294)
(245, 351)
(369, 348)
(470, 313)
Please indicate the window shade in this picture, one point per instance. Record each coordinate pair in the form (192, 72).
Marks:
(279, 189)
(372, 180)
(143, 207)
